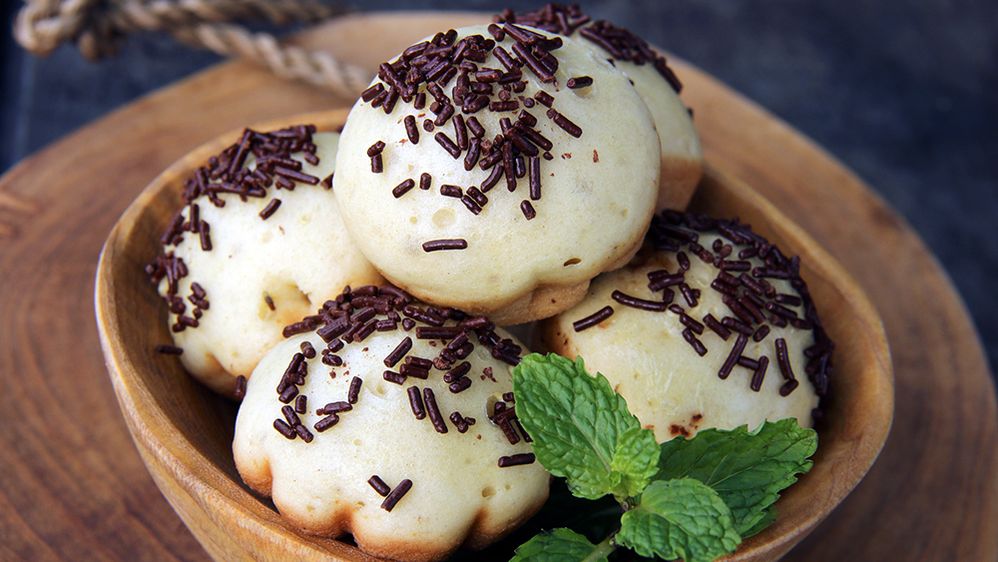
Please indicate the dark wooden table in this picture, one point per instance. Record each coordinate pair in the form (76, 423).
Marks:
(902, 92)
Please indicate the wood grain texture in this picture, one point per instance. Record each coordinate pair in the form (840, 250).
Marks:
(75, 489)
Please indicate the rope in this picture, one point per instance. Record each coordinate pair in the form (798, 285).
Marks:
(99, 27)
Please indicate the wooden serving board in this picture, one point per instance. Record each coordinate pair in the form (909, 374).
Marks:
(73, 486)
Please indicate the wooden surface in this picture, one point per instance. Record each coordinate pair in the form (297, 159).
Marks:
(183, 432)
(74, 488)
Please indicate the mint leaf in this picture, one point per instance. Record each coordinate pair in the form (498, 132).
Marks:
(680, 518)
(561, 545)
(768, 518)
(576, 422)
(747, 469)
(636, 459)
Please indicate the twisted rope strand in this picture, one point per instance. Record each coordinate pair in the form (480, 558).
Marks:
(97, 27)
(42, 25)
(287, 61)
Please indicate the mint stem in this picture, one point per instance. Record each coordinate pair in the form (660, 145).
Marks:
(602, 550)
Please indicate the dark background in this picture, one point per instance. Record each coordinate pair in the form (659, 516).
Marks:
(905, 93)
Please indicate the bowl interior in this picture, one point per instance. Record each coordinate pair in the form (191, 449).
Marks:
(184, 431)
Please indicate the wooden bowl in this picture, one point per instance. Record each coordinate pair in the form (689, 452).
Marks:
(184, 431)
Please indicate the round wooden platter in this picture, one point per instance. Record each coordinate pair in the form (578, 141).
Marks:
(74, 487)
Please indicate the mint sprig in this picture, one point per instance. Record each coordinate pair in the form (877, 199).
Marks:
(694, 499)
(576, 422)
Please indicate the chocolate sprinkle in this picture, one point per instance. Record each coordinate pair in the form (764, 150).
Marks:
(370, 93)
(460, 422)
(593, 319)
(717, 327)
(411, 129)
(460, 385)
(433, 411)
(759, 373)
(445, 244)
(515, 460)
(733, 356)
(376, 148)
(205, 236)
(270, 209)
(399, 352)
(392, 376)
(760, 333)
(527, 209)
(288, 394)
(783, 359)
(535, 178)
(635, 302)
(694, 342)
(544, 98)
(493, 178)
(296, 175)
(457, 372)
(564, 123)
(448, 145)
(304, 433)
(284, 429)
(788, 387)
(451, 191)
(476, 128)
(416, 402)
(395, 495)
(354, 392)
(379, 485)
(326, 423)
(403, 188)
(334, 408)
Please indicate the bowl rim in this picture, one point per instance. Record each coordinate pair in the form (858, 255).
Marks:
(172, 449)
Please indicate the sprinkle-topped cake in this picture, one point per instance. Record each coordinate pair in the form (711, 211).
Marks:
(711, 326)
(391, 420)
(498, 145)
(258, 243)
